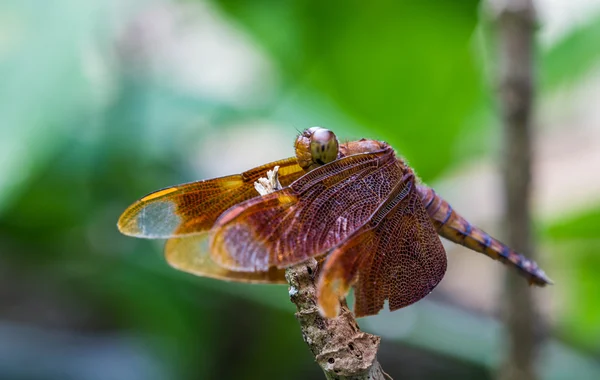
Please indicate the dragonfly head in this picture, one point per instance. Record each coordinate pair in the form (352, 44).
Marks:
(316, 146)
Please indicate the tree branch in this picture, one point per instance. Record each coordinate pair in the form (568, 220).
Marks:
(338, 345)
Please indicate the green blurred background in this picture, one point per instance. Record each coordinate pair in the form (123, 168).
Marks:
(104, 101)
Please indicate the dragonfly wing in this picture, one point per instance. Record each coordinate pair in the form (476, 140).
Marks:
(193, 207)
(312, 215)
(396, 256)
(191, 254)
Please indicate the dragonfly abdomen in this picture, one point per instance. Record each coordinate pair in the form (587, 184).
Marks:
(450, 225)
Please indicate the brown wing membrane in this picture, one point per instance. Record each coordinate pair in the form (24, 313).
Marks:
(312, 215)
(396, 256)
(193, 207)
(190, 254)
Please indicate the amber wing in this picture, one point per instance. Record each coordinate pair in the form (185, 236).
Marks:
(191, 254)
(312, 215)
(396, 256)
(191, 209)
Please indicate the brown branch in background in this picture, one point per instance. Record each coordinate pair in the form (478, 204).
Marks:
(338, 345)
(515, 30)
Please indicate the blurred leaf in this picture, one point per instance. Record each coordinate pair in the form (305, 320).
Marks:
(576, 243)
(582, 226)
(572, 57)
(581, 312)
(387, 65)
(47, 86)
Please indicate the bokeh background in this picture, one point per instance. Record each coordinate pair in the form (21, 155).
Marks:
(103, 101)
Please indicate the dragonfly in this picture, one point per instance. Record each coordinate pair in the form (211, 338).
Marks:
(357, 207)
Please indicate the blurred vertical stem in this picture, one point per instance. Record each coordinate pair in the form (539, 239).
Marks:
(515, 26)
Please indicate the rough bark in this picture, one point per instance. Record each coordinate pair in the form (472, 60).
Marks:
(338, 345)
(515, 28)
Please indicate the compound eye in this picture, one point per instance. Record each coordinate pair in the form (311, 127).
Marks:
(323, 145)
